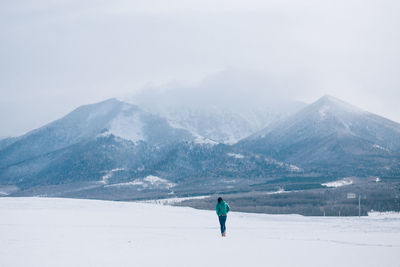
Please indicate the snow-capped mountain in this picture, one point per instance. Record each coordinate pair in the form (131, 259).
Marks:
(114, 150)
(330, 131)
(116, 143)
(87, 142)
(110, 117)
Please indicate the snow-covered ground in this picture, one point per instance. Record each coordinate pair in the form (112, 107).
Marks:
(339, 183)
(66, 232)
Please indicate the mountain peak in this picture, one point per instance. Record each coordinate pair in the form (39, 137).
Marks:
(329, 98)
(333, 105)
(110, 101)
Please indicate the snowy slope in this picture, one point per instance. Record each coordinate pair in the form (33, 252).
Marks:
(110, 117)
(223, 125)
(65, 232)
(329, 115)
(330, 131)
(87, 143)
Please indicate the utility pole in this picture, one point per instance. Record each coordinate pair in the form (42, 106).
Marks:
(359, 205)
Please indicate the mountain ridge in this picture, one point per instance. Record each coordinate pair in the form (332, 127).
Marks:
(125, 143)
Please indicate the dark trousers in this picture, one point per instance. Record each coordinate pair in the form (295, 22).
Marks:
(222, 220)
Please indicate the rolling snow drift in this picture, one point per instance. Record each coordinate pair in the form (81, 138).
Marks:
(68, 232)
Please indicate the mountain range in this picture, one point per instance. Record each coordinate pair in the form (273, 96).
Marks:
(118, 150)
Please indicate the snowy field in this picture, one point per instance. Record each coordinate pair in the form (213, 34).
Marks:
(67, 232)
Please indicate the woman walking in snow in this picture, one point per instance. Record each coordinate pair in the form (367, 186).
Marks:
(222, 209)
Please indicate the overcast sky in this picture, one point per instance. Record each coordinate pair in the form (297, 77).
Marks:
(56, 55)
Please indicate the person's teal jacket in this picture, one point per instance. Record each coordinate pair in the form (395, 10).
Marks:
(222, 208)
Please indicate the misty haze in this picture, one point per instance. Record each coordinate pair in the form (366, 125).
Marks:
(123, 122)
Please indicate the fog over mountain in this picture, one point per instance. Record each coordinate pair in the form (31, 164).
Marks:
(224, 107)
(64, 54)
